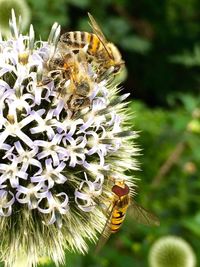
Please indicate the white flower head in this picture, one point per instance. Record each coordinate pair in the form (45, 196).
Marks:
(57, 160)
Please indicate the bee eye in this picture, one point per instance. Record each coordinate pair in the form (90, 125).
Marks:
(116, 68)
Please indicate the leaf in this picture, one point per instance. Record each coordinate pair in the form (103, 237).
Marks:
(80, 3)
(193, 224)
(187, 58)
(136, 43)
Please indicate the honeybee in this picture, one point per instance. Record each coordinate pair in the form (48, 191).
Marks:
(104, 53)
(63, 65)
(73, 68)
(118, 209)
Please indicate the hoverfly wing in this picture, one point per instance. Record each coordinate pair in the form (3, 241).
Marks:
(143, 216)
(106, 232)
(103, 239)
(97, 30)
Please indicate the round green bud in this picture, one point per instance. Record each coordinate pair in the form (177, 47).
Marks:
(21, 9)
(171, 251)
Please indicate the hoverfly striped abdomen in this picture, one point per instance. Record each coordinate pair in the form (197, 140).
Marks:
(122, 201)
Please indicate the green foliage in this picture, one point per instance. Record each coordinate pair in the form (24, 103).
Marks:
(135, 43)
(82, 4)
(46, 12)
(187, 58)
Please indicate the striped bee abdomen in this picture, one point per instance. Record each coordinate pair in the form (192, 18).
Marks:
(77, 40)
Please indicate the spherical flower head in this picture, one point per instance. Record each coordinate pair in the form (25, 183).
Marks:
(59, 158)
(21, 9)
(171, 251)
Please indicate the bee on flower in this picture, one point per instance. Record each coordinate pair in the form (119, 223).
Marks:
(63, 134)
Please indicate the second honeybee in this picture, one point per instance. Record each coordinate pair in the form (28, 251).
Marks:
(105, 54)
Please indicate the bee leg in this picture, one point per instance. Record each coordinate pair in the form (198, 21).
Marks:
(107, 73)
(44, 81)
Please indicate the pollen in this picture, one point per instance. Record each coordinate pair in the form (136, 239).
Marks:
(23, 58)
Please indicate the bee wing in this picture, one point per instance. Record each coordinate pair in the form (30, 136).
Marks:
(97, 30)
(143, 216)
(106, 232)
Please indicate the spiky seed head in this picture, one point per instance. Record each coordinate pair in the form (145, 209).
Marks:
(171, 251)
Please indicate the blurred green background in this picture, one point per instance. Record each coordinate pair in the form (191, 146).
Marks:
(160, 42)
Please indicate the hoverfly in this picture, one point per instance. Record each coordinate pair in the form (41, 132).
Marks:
(118, 209)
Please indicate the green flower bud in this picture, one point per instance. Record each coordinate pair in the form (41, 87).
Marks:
(194, 126)
(21, 9)
(171, 251)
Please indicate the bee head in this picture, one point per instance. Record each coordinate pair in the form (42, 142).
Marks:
(115, 57)
(118, 67)
(114, 53)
